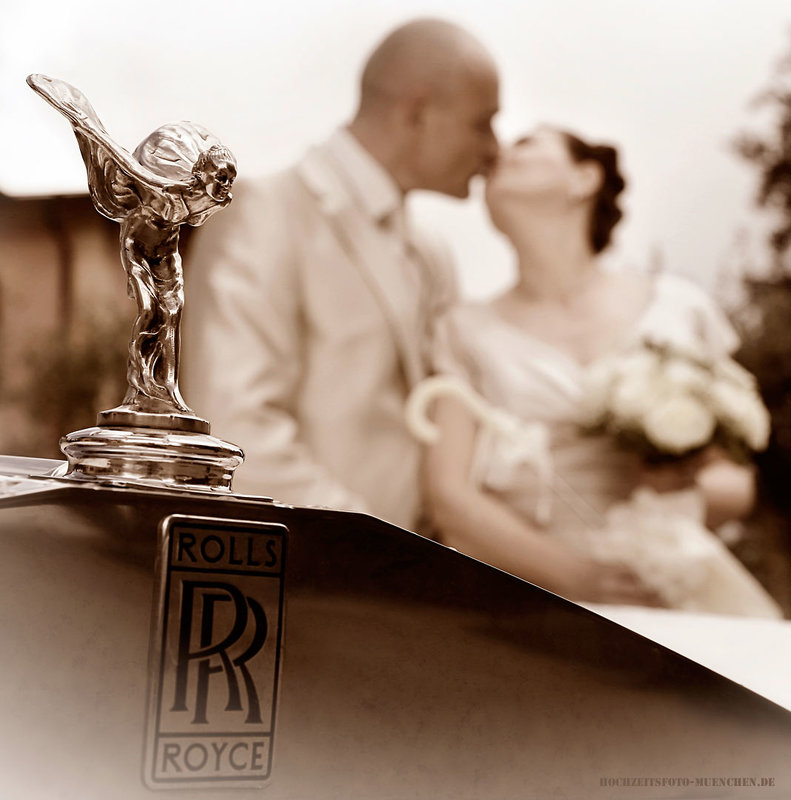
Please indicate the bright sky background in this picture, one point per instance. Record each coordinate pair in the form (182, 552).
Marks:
(669, 81)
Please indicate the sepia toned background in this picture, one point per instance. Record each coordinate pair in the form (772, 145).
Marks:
(675, 84)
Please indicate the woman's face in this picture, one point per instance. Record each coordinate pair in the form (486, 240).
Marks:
(537, 167)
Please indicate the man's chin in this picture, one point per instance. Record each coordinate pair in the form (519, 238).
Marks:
(460, 192)
(472, 185)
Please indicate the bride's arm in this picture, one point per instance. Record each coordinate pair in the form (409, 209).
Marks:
(479, 525)
(728, 489)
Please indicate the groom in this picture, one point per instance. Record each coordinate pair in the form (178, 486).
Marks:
(310, 303)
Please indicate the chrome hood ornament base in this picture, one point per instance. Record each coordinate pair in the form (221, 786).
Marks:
(170, 458)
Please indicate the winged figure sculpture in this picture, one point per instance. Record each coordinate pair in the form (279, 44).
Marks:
(179, 174)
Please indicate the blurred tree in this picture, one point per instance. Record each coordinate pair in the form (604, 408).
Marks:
(765, 319)
(70, 379)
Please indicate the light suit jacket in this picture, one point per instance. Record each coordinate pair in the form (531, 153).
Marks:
(302, 341)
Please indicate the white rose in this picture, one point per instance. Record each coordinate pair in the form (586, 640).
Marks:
(596, 389)
(639, 363)
(632, 398)
(679, 423)
(757, 426)
(634, 388)
(741, 412)
(685, 376)
(735, 372)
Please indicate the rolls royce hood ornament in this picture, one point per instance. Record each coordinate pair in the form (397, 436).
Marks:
(178, 175)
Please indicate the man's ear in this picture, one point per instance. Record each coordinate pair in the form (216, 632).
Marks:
(588, 179)
(414, 107)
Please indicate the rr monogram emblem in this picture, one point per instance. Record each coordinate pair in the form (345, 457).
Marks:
(205, 594)
(215, 653)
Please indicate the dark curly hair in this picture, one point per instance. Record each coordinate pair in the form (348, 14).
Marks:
(606, 213)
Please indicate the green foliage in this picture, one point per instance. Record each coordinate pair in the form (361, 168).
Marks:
(766, 352)
(770, 152)
(765, 320)
(72, 378)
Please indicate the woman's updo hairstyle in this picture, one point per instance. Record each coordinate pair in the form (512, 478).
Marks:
(606, 213)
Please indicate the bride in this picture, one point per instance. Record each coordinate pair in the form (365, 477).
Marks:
(511, 479)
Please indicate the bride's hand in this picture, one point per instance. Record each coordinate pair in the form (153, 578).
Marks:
(613, 583)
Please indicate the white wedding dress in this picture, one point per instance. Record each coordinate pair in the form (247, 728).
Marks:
(581, 488)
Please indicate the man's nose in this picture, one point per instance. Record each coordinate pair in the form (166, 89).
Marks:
(492, 147)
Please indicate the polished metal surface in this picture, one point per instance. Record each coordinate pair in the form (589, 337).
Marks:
(152, 456)
(178, 175)
(406, 669)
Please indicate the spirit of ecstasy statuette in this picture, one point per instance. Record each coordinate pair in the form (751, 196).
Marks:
(180, 174)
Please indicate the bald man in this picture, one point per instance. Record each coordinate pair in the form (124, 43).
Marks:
(310, 301)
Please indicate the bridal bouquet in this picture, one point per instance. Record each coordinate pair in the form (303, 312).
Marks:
(665, 402)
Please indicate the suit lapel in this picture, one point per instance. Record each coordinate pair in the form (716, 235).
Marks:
(372, 253)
